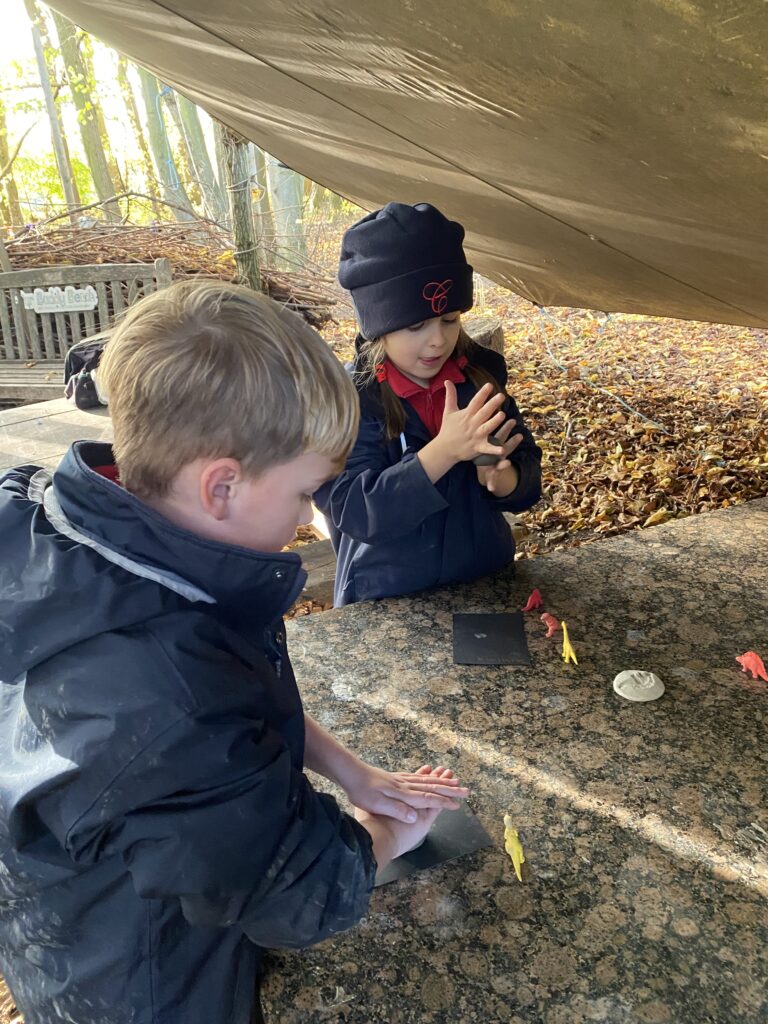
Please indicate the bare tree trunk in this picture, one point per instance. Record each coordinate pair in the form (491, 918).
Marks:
(60, 149)
(5, 263)
(77, 76)
(183, 155)
(8, 182)
(286, 193)
(49, 51)
(215, 199)
(265, 222)
(86, 52)
(238, 180)
(173, 190)
(221, 169)
(133, 116)
(50, 64)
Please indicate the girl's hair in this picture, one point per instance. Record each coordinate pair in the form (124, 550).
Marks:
(373, 352)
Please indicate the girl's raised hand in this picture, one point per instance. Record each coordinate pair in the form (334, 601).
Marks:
(464, 432)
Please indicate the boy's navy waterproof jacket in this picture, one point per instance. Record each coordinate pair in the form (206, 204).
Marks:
(156, 828)
(393, 530)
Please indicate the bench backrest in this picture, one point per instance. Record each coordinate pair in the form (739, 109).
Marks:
(46, 310)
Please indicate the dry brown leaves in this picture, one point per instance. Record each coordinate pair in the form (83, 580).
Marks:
(606, 469)
(304, 535)
(307, 608)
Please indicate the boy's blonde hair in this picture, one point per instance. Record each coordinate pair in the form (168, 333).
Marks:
(207, 369)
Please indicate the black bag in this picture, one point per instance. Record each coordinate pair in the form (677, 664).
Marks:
(79, 384)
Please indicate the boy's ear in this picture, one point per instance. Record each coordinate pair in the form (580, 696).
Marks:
(219, 480)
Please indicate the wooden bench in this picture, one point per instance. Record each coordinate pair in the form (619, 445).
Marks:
(83, 301)
(22, 382)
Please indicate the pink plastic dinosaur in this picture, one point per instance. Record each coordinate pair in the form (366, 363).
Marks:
(551, 623)
(534, 601)
(752, 662)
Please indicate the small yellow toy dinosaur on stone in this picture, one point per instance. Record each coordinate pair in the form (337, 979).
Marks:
(514, 847)
(568, 652)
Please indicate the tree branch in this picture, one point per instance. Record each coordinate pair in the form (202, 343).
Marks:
(5, 171)
(128, 195)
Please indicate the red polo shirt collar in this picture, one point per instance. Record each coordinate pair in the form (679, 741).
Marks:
(428, 402)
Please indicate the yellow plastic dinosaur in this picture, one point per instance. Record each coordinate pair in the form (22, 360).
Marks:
(514, 847)
(568, 652)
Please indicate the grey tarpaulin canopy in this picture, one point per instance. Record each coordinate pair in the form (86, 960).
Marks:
(602, 153)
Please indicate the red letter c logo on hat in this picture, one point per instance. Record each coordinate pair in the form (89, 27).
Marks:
(436, 293)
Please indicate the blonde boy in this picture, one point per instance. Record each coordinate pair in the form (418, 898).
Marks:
(156, 827)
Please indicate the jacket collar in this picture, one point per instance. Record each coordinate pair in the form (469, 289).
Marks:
(259, 586)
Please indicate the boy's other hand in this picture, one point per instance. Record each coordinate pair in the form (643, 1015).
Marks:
(401, 795)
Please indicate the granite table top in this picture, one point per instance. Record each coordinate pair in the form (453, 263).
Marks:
(645, 826)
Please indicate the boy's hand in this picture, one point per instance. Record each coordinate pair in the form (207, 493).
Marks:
(502, 478)
(392, 838)
(401, 795)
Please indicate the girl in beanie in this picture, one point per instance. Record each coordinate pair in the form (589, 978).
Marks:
(412, 509)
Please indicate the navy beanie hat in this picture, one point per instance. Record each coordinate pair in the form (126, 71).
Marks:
(404, 264)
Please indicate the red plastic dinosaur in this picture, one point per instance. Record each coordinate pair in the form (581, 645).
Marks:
(551, 623)
(752, 662)
(534, 601)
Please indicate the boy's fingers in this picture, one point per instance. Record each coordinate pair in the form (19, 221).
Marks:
(407, 811)
(423, 779)
(488, 409)
(425, 800)
(454, 792)
(398, 810)
(483, 437)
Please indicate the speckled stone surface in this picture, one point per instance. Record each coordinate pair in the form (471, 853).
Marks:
(647, 892)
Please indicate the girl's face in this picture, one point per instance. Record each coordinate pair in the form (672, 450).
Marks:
(420, 351)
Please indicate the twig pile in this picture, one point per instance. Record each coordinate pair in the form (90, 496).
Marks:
(193, 249)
